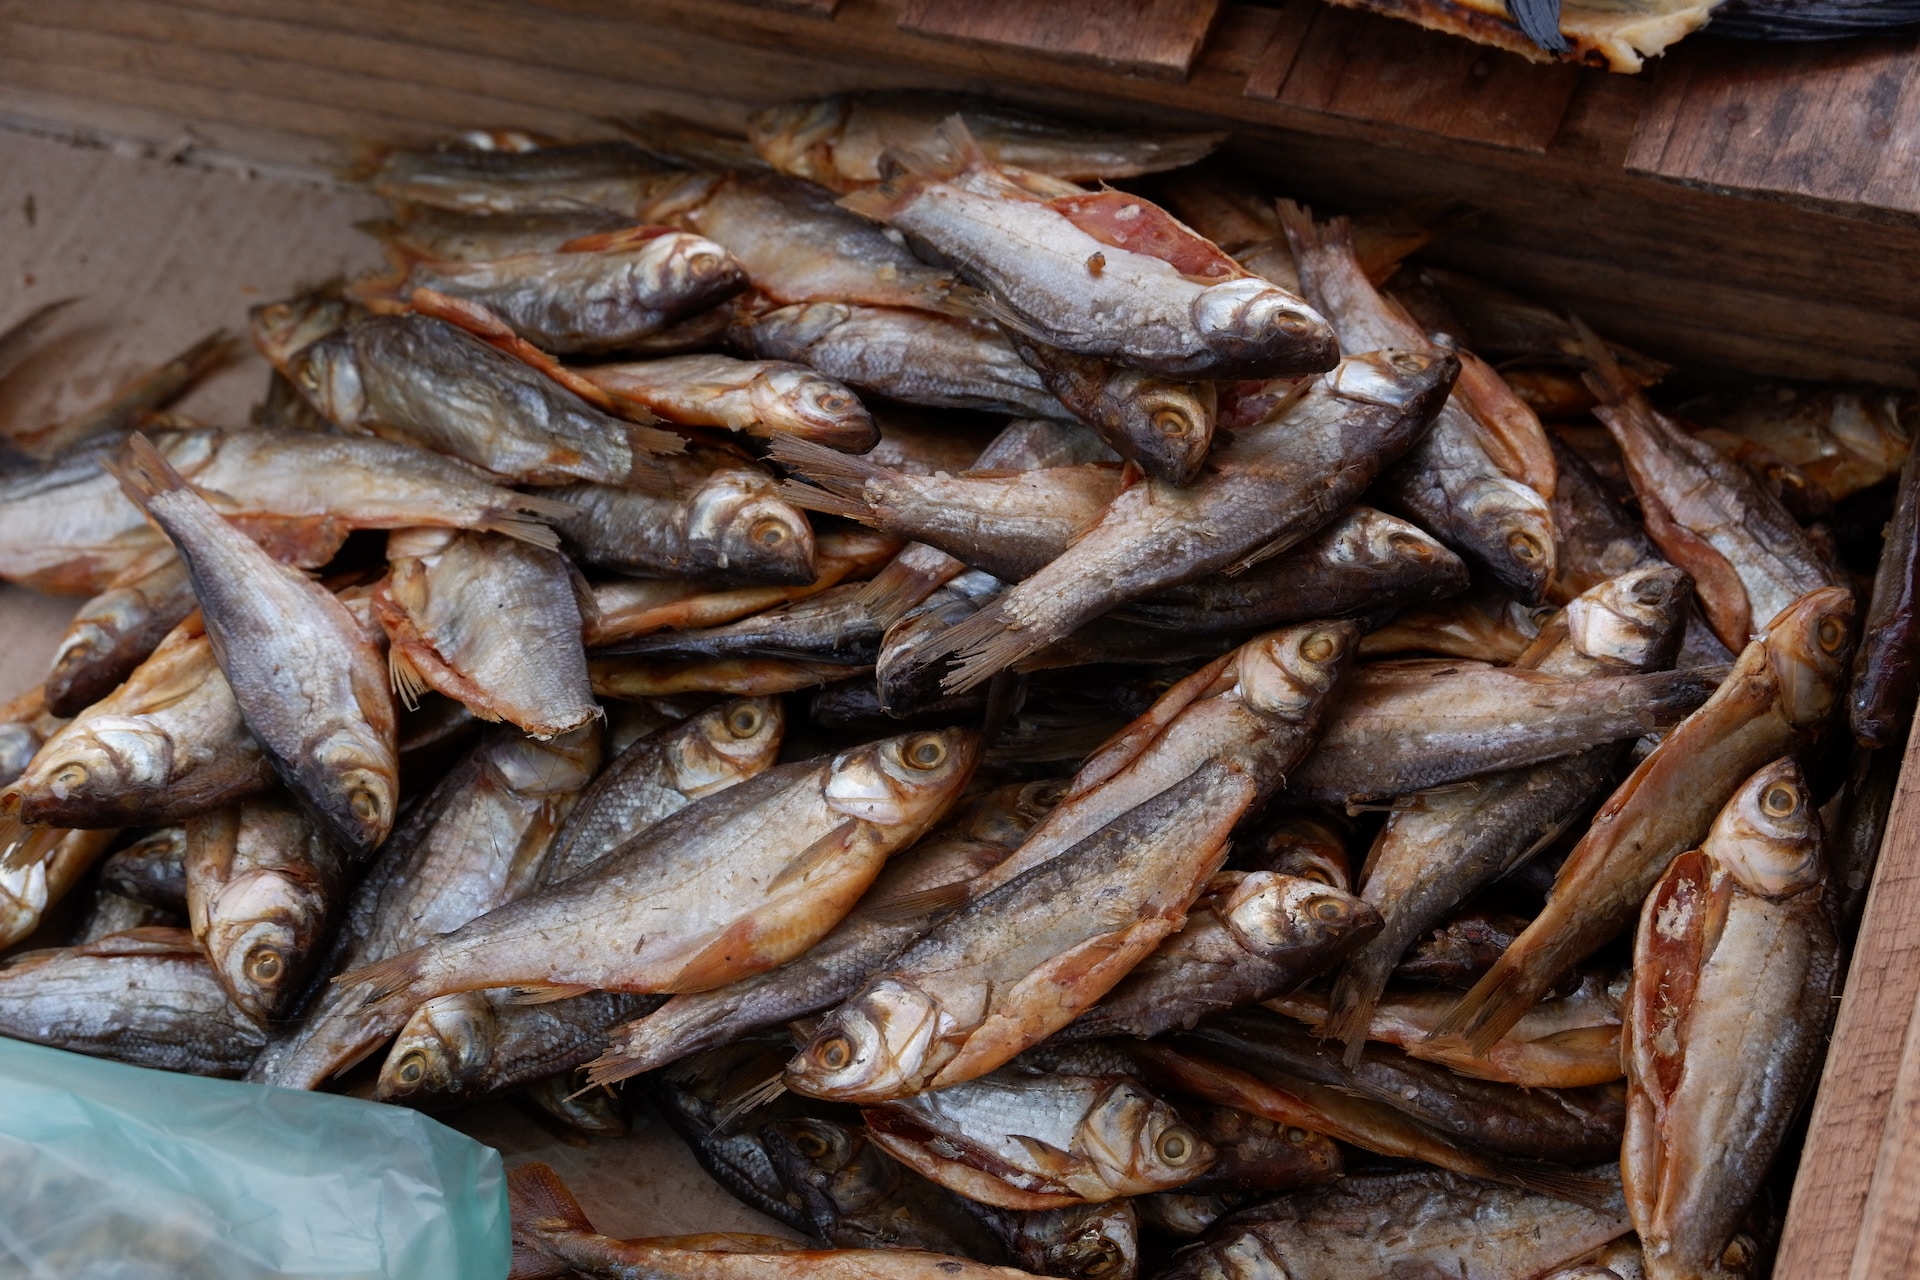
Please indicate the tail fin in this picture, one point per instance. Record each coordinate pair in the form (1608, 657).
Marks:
(1562, 1184)
(985, 643)
(1350, 1012)
(1487, 1012)
(907, 580)
(751, 1099)
(145, 473)
(614, 1066)
(908, 169)
(386, 978)
(844, 473)
(825, 501)
(540, 1207)
(1603, 374)
(22, 846)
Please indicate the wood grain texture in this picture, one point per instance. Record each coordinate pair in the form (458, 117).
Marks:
(1838, 123)
(1365, 67)
(1155, 37)
(1873, 1048)
(1890, 1233)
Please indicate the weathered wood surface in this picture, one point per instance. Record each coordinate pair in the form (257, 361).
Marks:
(1155, 37)
(1837, 123)
(1859, 1177)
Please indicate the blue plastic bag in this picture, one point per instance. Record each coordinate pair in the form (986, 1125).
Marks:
(112, 1172)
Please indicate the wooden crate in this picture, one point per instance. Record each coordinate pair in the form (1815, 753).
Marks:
(1753, 208)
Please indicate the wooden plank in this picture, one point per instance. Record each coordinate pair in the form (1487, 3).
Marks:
(1890, 1234)
(1368, 67)
(1836, 122)
(1278, 45)
(1850, 1112)
(1155, 37)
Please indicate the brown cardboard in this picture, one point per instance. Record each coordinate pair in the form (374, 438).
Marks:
(161, 254)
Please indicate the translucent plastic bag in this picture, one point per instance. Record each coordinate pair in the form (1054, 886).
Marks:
(112, 1172)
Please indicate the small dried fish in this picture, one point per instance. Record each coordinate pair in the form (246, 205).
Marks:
(147, 997)
(1779, 694)
(919, 357)
(1481, 626)
(442, 607)
(763, 398)
(1163, 425)
(723, 519)
(305, 674)
(1886, 671)
(840, 142)
(426, 231)
(168, 743)
(1258, 1155)
(1422, 1220)
(731, 886)
(264, 887)
(38, 867)
(422, 380)
(1734, 969)
(117, 630)
(479, 1044)
(646, 677)
(1842, 440)
(1026, 1140)
(833, 626)
(543, 179)
(150, 870)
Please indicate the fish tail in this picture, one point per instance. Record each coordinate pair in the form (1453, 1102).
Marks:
(525, 528)
(1603, 374)
(895, 589)
(1488, 1011)
(1561, 1184)
(642, 438)
(145, 473)
(907, 169)
(540, 1205)
(21, 846)
(844, 473)
(1305, 236)
(1350, 1012)
(751, 1099)
(615, 1065)
(825, 501)
(387, 978)
(986, 643)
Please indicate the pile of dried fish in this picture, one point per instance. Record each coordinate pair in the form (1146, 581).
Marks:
(1272, 808)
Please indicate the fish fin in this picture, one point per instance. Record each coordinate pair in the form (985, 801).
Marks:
(405, 678)
(985, 642)
(540, 508)
(1001, 314)
(825, 501)
(385, 978)
(1603, 374)
(820, 853)
(913, 906)
(718, 963)
(750, 1099)
(613, 1066)
(615, 240)
(1046, 1157)
(844, 473)
(1717, 585)
(539, 1204)
(1349, 1015)
(529, 529)
(147, 940)
(1539, 21)
(907, 169)
(1562, 1184)
(894, 590)
(22, 846)
(548, 992)
(145, 472)
(1488, 1012)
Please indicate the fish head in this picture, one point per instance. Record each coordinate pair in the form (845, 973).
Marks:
(1808, 647)
(1271, 915)
(1518, 519)
(737, 518)
(833, 1161)
(795, 399)
(1414, 382)
(354, 786)
(724, 745)
(788, 135)
(876, 1046)
(1260, 329)
(260, 926)
(691, 268)
(444, 1047)
(1006, 814)
(93, 766)
(283, 329)
(1170, 425)
(1085, 1242)
(787, 333)
(1634, 620)
(1286, 673)
(905, 781)
(1308, 845)
(1139, 1143)
(1769, 836)
(1369, 539)
(1876, 427)
(326, 373)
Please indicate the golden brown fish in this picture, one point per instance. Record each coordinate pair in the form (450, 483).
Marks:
(117, 630)
(761, 398)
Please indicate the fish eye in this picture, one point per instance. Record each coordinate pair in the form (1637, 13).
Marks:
(1407, 362)
(1174, 1146)
(265, 966)
(1108, 1259)
(365, 805)
(1651, 591)
(768, 532)
(1293, 325)
(413, 1068)
(71, 775)
(1407, 545)
(834, 402)
(1319, 647)
(1780, 800)
(1832, 633)
(835, 1054)
(703, 262)
(744, 722)
(308, 378)
(811, 1145)
(1328, 910)
(1526, 548)
(1170, 423)
(926, 753)
(1296, 1136)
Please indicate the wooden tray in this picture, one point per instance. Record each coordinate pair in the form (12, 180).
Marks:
(1753, 209)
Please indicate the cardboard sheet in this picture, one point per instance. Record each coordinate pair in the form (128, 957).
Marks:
(161, 254)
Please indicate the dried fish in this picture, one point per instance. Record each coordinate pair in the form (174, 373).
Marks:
(1255, 1154)
(134, 404)
(1163, 425)
(833, 626)
(150, 870)
(479, 1044)
(147, 997)
(38, 867)
(442, 606)
(117, 630)
(543, 179)
(1886, 671)
(746, 879)
(427, 231)
(763, 398)
(1733, 977)
(305, 674)
(1841, 439)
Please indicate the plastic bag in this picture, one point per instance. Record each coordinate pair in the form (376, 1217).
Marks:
(112, 1172)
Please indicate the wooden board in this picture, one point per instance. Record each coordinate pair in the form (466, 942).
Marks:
(1155, 37)
(1858, 1177)
(1838, 123)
